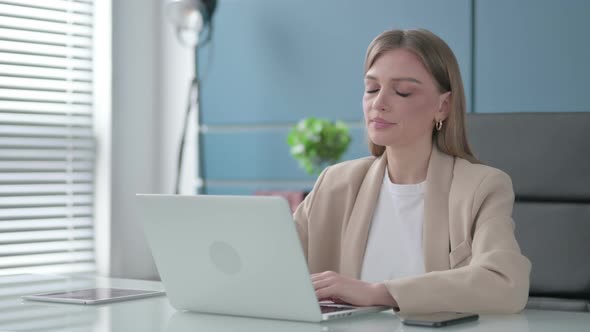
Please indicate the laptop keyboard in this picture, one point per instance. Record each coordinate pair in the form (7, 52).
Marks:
(327, 309)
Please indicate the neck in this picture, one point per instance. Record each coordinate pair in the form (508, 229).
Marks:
(408, 164)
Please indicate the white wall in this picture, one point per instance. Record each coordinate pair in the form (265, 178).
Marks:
(151, 73)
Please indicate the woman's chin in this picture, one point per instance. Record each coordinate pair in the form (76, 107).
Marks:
(380, 140)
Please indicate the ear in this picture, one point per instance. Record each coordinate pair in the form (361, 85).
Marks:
(445, 106)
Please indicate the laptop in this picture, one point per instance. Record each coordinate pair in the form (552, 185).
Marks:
(233, 255)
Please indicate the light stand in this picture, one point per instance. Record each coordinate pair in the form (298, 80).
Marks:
(189, 18)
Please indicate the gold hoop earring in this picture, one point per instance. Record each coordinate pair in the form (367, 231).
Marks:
(439, 125)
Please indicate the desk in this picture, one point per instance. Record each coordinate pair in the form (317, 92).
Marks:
(156, 314)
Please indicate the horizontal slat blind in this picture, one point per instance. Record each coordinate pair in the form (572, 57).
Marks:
(47, 147)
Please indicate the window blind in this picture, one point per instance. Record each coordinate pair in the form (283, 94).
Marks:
(47, 149)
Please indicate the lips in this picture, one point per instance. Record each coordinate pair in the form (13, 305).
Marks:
(379, 123)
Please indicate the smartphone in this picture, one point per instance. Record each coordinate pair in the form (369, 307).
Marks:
(438, 319)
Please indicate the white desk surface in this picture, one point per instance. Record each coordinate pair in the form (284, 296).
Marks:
(156, 314)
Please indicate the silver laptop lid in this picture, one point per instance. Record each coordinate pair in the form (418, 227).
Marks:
(237, 255)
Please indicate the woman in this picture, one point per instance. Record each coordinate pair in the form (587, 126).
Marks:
(421, 226)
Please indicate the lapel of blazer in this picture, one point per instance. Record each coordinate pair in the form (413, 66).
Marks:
(354, 239)
(435, 233)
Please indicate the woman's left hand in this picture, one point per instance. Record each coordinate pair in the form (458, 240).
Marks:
(333, 286)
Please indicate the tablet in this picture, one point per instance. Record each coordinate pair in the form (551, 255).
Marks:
(94, 295)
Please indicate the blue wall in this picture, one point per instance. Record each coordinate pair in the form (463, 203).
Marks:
(532, 56)
(273, 62)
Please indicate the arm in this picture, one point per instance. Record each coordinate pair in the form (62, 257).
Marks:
(497, 278)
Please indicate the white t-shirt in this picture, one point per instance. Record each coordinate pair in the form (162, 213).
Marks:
(394, 246)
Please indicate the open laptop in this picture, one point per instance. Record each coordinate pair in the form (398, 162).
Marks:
(235, 255)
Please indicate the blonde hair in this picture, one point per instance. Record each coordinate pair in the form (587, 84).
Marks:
(439, 60)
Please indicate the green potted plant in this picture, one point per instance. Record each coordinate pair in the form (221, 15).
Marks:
(317, 143)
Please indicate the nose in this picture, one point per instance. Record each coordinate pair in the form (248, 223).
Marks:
(379, 103)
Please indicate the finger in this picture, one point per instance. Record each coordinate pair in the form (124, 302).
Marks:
(339, 301)
(330, 299)
(326, 292)
(316, 277)
(322, 275)
(322, 283)
(328, 272)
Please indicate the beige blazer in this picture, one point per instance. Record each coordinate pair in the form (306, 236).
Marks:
(471, 258)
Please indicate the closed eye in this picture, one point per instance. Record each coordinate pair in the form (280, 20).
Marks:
(401, 94)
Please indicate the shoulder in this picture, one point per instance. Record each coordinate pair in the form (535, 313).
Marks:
(478, 174)
(348, 174)
(478, 183)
